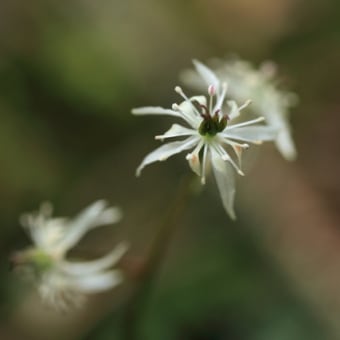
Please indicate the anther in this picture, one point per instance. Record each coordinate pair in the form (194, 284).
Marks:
(175, 107)
(240, 172)
(179, 90)
(245, 105)
(211, 90)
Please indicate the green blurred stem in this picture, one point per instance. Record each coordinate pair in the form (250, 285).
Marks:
(137, 304)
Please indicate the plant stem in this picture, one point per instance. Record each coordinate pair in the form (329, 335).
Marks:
(137, 304)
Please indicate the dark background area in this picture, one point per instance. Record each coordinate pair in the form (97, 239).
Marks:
(70, 72)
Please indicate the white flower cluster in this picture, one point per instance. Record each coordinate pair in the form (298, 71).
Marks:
(209, 131)
(215, 135)
(260, 85)
(63, 283)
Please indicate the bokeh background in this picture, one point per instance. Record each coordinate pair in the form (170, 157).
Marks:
(70, 72)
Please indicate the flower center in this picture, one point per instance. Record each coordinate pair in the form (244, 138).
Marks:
(211, 125)
(35, 259)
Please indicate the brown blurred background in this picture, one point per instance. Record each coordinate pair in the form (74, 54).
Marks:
(70, 72)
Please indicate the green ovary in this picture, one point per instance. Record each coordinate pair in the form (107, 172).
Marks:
(40, 260)
(212, 125)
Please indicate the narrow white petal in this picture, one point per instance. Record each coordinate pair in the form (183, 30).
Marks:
(204, 163)
(193, 79)
(58, 291)
(154, 110)
(176, 131)
(251, 133)
(36, 233)
(202, 100)
(225, 179)
(167, 150)
(194, 160)
(207, 74)
(98, 282)
(90, 267)
(188, 112)
(95, 215)
(277, 117)
(45, 232)
(285, 144)
(36, 223)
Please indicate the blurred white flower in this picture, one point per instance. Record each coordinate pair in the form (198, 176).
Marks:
(209, 133)
(63, 283)
(259, 85)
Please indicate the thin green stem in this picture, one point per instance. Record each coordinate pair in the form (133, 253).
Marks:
(137, 304)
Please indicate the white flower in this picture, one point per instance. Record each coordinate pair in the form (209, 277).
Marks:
(244, 81)
(209, 132)
(61, 282)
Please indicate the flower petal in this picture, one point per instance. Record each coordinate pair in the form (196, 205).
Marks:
(207, 75)
(285, 144)
(90, 267)
(189, 113)
(97, 282)
(58, 291)
(194, 160)
(225, 179)
(277, 117)
(255, 134)
(176, 130)
(167, 150)
(154, 110)
(202, 100)
(95, 215)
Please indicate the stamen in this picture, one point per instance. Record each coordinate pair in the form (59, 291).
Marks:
(225, 156)
(179, 90)
(211, 90)
(206, 113)
(220, 101)
(238, 148)
(204, 163)
(233, 143)
(194, 160)
(249, 122)
(175, 107)
(245, 104)
(185, 116)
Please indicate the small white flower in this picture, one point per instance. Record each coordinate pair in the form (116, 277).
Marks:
(244, 81)
(209, 132)
(61, 282)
